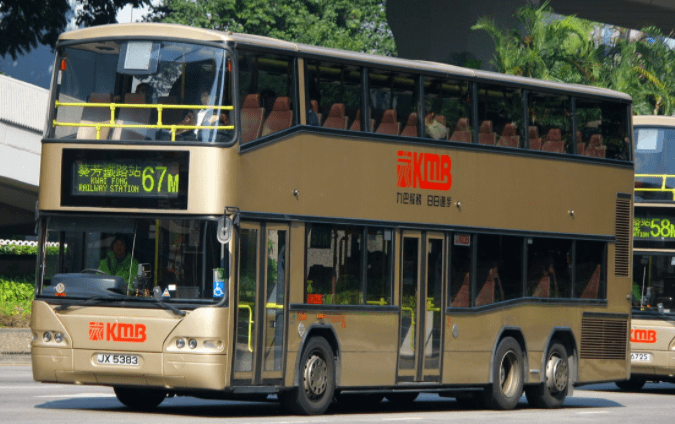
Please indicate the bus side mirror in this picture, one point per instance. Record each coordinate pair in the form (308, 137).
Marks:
(224, 231)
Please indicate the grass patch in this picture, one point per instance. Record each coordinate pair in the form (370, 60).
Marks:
(16, 295)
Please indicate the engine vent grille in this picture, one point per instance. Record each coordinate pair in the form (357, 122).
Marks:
(603, 338)
(623, 233)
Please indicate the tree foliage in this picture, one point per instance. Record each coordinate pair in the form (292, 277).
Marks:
(357, 25)
(563, 49)
(25, 24)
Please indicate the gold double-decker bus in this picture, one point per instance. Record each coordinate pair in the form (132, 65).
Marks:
(237, 216)
(652, 327)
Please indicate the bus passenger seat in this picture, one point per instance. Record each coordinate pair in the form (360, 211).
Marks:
(95, 115)
(389, 123)
(543, 288)
(251, 118)
(486, 135)
(535, 141)
(509, 137)
(580, 144)
(132, 116)
(591, 290)
(314, 105)
(462, 131)
(280, 118)
(461, 299)
(336, 117)
(410, 129)
(553, 142)
(170, 116)
(487, 293)
(356, 124)
(595, 147)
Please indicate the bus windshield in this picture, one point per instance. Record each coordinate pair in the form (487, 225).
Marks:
(104, 256)
(143, 90)
(654, 163)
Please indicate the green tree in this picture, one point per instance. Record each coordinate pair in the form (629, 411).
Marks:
(543, 46)
(645, 69)
(357, 25)
(26, 24)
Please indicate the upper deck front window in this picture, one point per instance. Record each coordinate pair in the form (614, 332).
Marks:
(654, 164)
(143, 90)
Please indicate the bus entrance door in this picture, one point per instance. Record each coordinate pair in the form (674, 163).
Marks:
(261, 299)
(423, 267)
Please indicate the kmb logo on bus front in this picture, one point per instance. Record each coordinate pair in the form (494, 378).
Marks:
(116, 332)
(643, 336)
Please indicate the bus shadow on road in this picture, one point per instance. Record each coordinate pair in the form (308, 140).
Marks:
(186, 406)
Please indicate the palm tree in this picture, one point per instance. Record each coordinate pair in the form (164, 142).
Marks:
(544, 46)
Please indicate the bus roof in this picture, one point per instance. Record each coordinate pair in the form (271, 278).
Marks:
(187, 33)
(654, 120)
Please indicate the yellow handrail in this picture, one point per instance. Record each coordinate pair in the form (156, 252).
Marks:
(250, 325)
(159, 125)
(663, 187)
(412, 326)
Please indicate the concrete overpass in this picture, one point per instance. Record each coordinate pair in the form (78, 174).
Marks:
(438, 30)
(22, 119)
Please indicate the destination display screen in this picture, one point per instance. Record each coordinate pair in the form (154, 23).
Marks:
(654, 228)
(125, 179)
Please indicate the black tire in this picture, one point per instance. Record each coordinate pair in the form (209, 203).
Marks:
(359, 400)
(507, 376)
(402, 398)
(553, 391)
(140, 399)
(632, 385)
(317, 380)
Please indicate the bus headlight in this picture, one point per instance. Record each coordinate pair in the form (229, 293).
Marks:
(58, 337)
(192, 343)
(47, 337)
(180, 343)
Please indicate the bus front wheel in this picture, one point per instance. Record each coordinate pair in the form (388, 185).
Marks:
(552, 393)
(317, 380)
(507, 376)
(140, 399)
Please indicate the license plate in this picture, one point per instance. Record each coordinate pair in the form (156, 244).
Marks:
(116, 359)
(640, 357)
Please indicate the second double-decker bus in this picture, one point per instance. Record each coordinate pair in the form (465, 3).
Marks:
(238, 216)
(652, 325)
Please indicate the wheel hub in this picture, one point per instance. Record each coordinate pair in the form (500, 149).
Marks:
(315, 376)
(508, 377)
(557, 374)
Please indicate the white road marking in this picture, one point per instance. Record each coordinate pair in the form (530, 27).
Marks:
(80, 395)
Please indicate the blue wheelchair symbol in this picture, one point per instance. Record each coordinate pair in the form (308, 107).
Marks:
(218, 288)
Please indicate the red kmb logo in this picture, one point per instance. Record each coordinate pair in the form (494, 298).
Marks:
(117, 332)
(643, 336)
(428, 171)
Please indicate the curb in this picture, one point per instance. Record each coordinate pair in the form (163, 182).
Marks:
(15, 341)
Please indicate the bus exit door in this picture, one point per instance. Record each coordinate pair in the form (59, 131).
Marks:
(261, 298)
(423, 266)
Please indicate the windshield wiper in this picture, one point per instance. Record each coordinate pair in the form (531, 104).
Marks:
(90, 301)
(162, 304)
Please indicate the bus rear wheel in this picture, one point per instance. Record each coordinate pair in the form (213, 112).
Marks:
(507, 376)
(140, 399)
(552, 393)
(317, 380)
